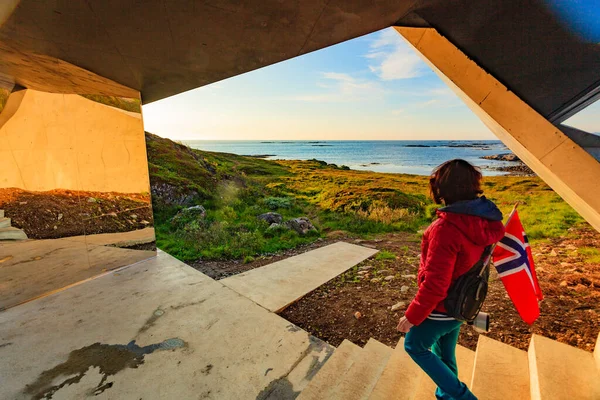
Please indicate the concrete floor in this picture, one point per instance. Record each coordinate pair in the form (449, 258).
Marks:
(277, 285)
(31, 268)
(157, 329)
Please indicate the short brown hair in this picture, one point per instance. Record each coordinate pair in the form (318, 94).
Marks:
(453, 181)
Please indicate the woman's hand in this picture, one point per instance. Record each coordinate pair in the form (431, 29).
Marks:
(404, 325)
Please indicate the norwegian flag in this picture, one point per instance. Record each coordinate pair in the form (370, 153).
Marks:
(514, 263)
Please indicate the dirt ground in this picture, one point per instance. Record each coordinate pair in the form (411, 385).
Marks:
(61, 213)
(569, 312)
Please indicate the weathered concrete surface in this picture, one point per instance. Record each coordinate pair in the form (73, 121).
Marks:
(55, 141)
(31, 268)
(358, 382)
(277, 285)
(167, 47)
(42, 72)
(401, 377)
(194, 338)
(324, 383)
(566, 167)
(561, 372)
(500, 371)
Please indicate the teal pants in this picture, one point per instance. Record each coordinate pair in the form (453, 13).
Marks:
(432, 346)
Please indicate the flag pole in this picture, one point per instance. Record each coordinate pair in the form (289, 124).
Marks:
(489, 259)
(512, 213)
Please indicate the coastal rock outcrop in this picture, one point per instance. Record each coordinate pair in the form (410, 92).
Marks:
(502, 157)
(271, 218)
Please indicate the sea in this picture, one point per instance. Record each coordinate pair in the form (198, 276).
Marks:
(397, 156)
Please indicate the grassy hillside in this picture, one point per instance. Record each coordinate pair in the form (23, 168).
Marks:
(234, 190)
(127, 104)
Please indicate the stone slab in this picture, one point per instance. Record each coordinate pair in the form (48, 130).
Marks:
(324, 383)
(401, 377)
(500, 371)
(183, 336)
(277, 285)
(360, 379)
(32, 268)
(12, 233)
(561, 372)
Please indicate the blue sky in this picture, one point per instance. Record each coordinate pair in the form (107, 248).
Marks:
(371, 88)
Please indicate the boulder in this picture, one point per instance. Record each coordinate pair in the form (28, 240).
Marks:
(274, 226)
(301, 225)
(195, 212)
(271, 218)
(173, 194)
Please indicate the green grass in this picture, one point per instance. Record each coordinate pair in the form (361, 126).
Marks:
(127, 104)
(385, 255)
(235, 190)
(591, 255)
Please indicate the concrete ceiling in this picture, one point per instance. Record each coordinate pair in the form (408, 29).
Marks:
(165, 47)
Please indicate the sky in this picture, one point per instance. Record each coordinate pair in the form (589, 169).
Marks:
(374, 87)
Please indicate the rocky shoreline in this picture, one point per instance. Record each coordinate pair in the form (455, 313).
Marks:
(519, 169)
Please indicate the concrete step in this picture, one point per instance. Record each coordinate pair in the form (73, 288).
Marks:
(597, 352)
(324, 383)
(12, 233)
(400, 378)
(277, 285)
(1, 213)
(465, 359)
(360, 379)
(4, 222)
(500, 371)
(559, 371)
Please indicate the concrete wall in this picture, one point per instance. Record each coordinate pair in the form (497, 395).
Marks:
(50, 141)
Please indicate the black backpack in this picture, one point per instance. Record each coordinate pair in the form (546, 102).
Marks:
(467, 294)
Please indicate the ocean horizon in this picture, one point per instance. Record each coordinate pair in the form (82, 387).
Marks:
(416, 157)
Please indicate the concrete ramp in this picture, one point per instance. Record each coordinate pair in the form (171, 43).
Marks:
(277, 285)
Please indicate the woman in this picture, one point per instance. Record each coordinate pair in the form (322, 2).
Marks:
(451, 246)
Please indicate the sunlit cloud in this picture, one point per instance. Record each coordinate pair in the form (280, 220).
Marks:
(392, 58)
(343, 87)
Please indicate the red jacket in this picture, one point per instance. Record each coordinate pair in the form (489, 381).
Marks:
(451, 246)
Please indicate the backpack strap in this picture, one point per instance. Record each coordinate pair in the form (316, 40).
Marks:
(486, 258)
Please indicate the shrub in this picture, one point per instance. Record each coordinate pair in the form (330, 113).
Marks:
(274, 203)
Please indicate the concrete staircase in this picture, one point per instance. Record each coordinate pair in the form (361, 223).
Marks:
(8, 232)
(548, 371)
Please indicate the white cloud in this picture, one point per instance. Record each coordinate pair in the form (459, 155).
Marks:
(393, 58)
(342, 87)
(337, 76)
